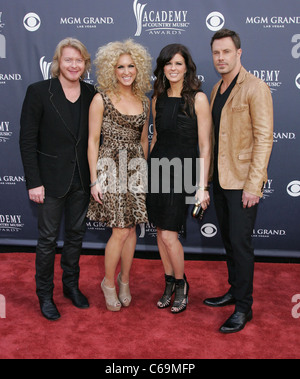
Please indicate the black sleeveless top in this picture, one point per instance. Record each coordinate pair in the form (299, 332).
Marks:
(172, 162)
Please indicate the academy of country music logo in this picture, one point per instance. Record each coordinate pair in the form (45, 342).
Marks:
(10, 223)
(45, 68)
(159, 22)
(5, 132)
(270, 77)
(268, 189)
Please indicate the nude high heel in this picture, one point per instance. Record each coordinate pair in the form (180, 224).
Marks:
(124, 293)
(112, 302)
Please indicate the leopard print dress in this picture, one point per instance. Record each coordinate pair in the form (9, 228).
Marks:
(121, 169)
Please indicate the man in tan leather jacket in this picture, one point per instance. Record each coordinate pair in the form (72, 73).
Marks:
(242, 110)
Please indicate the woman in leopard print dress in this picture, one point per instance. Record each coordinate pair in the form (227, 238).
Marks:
(120, 114)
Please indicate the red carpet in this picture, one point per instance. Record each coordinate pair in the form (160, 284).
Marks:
(143, 331)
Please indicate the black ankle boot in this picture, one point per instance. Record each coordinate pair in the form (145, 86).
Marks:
(77, 298)
(181, 295)
(165, 301)
(49, 310)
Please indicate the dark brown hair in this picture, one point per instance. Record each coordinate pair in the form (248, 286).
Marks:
(191, 84)
(224, 33)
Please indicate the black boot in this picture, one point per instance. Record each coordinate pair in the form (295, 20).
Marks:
(49, 310)
(77, 298)
(165, 301)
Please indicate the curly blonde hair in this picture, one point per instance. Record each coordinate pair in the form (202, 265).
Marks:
(106, 61)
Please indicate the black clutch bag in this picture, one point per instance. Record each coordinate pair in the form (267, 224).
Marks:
(198, 211)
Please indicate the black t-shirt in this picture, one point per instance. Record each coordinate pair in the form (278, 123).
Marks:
(218, 106)
(75, 109)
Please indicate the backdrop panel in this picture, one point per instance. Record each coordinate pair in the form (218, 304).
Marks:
(270, 33)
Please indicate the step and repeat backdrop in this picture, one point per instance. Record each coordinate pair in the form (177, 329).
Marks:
(270, 33)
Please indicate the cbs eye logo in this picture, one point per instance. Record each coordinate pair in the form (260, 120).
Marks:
(215, 21)
(297, 81)
(209, 230)
(293, 189)
(32, 22)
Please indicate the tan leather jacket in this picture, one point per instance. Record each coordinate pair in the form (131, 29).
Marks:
(246, 135)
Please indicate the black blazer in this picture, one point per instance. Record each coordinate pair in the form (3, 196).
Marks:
(49, 147)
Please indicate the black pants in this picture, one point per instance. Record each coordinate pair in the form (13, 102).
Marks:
(74, 207)
(236, 225)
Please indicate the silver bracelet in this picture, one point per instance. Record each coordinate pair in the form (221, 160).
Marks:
(93, 184)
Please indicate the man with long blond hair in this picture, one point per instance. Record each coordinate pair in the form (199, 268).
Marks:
(53, 142)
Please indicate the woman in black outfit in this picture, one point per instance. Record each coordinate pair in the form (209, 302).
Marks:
(182, 123)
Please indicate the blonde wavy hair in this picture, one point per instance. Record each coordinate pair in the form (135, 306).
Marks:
(76, 44)
(106, 61)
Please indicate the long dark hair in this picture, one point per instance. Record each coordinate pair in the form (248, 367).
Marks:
(191, 84)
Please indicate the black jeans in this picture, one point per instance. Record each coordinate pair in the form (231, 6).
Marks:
(74, 206)
(236, 225)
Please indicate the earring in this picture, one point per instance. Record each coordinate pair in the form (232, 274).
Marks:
(164, 80)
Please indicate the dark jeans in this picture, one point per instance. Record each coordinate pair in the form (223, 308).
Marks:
(236, 225)
(74, 206)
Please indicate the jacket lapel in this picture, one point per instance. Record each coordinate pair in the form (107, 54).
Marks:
(237, 87)
(60, 104)
(234, 91)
